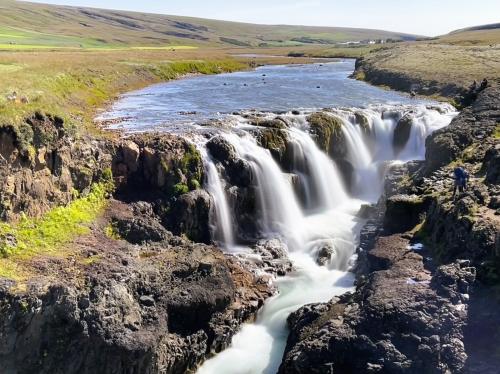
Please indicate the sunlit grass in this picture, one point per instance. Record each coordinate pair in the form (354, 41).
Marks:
(47, 235)
(32, 236)
(74, 85)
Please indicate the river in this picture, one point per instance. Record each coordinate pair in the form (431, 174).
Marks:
(325, 214)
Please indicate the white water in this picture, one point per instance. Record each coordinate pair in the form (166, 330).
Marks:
(222, 228)
(329, 219)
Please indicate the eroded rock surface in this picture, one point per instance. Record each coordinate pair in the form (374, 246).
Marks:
(115, 306)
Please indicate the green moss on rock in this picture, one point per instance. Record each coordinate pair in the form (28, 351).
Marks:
(327, 131)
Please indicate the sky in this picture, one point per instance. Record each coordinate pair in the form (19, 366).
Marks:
(421, 17)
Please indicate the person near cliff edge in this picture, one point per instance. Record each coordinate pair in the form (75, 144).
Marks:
(461, 178)
(484, 84)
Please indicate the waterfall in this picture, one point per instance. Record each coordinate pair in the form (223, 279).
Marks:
(326, 226)
(317, 172)
(221, 222)
(280, 213)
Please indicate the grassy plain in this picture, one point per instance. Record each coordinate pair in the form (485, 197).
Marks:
(74, 84)
(458, 58)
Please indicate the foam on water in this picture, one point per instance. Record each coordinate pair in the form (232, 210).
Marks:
(329, 218)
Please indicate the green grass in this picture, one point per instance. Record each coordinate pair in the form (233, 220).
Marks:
(32, 236)
(74, 85)
(30, 24)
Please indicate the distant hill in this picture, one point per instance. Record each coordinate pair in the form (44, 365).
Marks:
(26, 25)
(491, 26)
(476, 35)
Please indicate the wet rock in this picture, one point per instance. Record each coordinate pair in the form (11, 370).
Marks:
(275, 123)
(401, 319)
(272, 258)
(325, 254)
(237, 170)
(402, 133)
(278, 143)
(327, 131)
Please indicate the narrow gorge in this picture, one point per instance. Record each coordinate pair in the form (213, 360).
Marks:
(299, 237)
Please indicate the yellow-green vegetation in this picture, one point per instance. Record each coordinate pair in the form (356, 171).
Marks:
(31, 236)
(47, 235)
(73, 85)
(496, 134)
(112, 232)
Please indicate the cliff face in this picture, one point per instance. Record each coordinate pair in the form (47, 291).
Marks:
(417, 267)
(129, 296)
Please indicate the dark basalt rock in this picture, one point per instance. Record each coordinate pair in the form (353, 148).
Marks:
(41, 166)
(475, 123)
(237, 170)
(402, 319)
(140, 226)
(491, 164)
(190, 215)
(160, 306)
(325, 254)
(402, 133)
(363, 122)
(403, 212)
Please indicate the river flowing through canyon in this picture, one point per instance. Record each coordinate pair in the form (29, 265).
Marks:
(304, 194)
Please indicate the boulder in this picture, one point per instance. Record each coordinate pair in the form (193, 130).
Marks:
(277, 142)
(275, 123)
(237, 170)
(402, 133)
(491, 163)
(325, 254)
(363, 121)
(401, 319)
(328, 134)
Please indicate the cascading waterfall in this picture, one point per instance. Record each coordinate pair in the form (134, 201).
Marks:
(328, 220)
(317, 172)
(222, 228)
(280, 211)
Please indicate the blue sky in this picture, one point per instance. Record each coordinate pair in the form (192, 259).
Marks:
(424, 17)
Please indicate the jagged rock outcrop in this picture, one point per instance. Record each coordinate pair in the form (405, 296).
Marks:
(402, 319)
(42, 166)
(190, 215)
(327, 130)
(237, 170)
(157, 304)
(277, 142)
